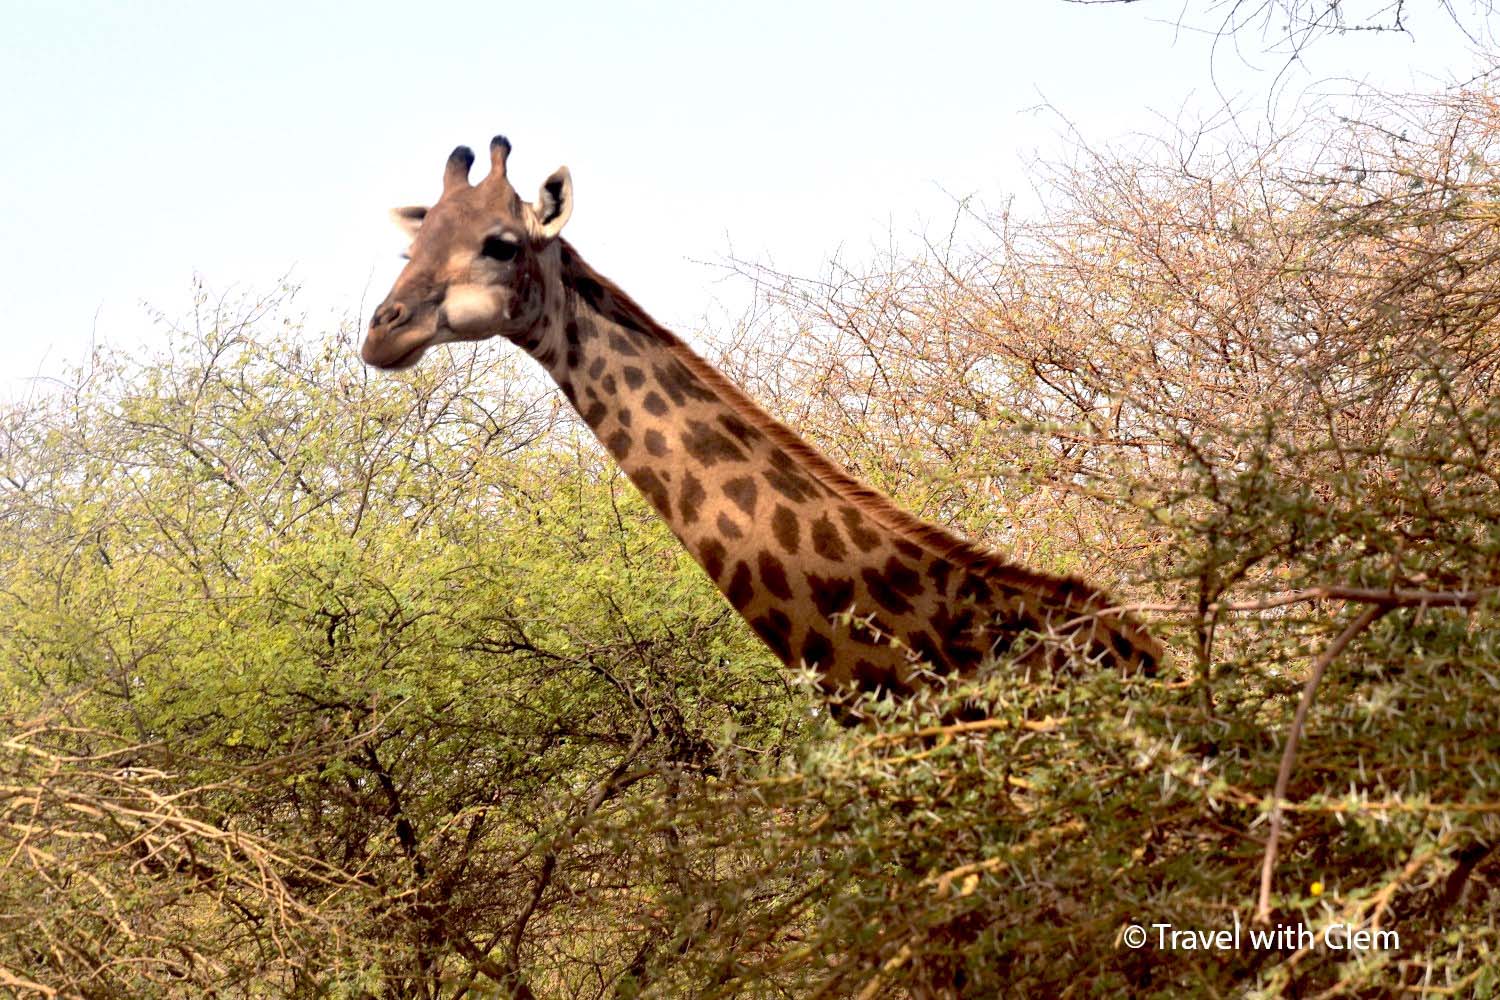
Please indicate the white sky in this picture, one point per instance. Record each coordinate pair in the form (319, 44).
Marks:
(145, 142)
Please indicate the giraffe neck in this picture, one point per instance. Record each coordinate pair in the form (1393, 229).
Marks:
(829, 573)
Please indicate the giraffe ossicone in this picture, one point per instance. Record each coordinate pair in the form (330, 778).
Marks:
(800, 548)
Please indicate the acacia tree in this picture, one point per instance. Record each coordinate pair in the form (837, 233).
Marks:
(1262, 380)
(388, 647)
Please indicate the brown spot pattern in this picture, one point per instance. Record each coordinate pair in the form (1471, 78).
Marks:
(831, 595)
(740, 592)
(784, 480)
(816, 648)
(708, 446)
(650, 484)
(883, 593)
(863, 538)
(902, 577)
(734, 425)
(692, 498)
(826, 541)
(910, 550)
(875, 676)
(773, 575)
(711, 551)
(784, 527)
(775, 630)
(677, 382)
(974, 589)
(938, 573)
(931, 653)
(742, 492)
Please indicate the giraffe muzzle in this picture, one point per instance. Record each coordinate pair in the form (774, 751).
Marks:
(382, 347)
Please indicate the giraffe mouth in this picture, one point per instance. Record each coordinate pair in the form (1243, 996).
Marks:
(405, 360)
(402, 349)
(390, 361)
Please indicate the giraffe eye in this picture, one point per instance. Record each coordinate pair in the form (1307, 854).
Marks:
(501, 248)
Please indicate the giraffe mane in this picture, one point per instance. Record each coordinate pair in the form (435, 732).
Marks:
(610, 302)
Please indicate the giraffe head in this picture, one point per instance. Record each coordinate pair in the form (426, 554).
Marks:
(473, 270)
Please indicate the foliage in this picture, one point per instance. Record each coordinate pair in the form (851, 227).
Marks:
(410, 629)
(1261, 381)
(321, 683)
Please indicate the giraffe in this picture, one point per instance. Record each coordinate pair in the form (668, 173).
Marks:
(829, 573)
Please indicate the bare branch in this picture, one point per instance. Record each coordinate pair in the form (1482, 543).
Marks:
(1289, 755)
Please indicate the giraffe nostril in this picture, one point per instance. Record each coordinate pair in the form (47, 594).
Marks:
(393, 314)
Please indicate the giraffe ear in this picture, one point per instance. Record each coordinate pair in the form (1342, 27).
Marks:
(409, 218)
(554, 203)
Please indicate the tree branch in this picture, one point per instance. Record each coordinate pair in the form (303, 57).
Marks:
(1289, 755)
